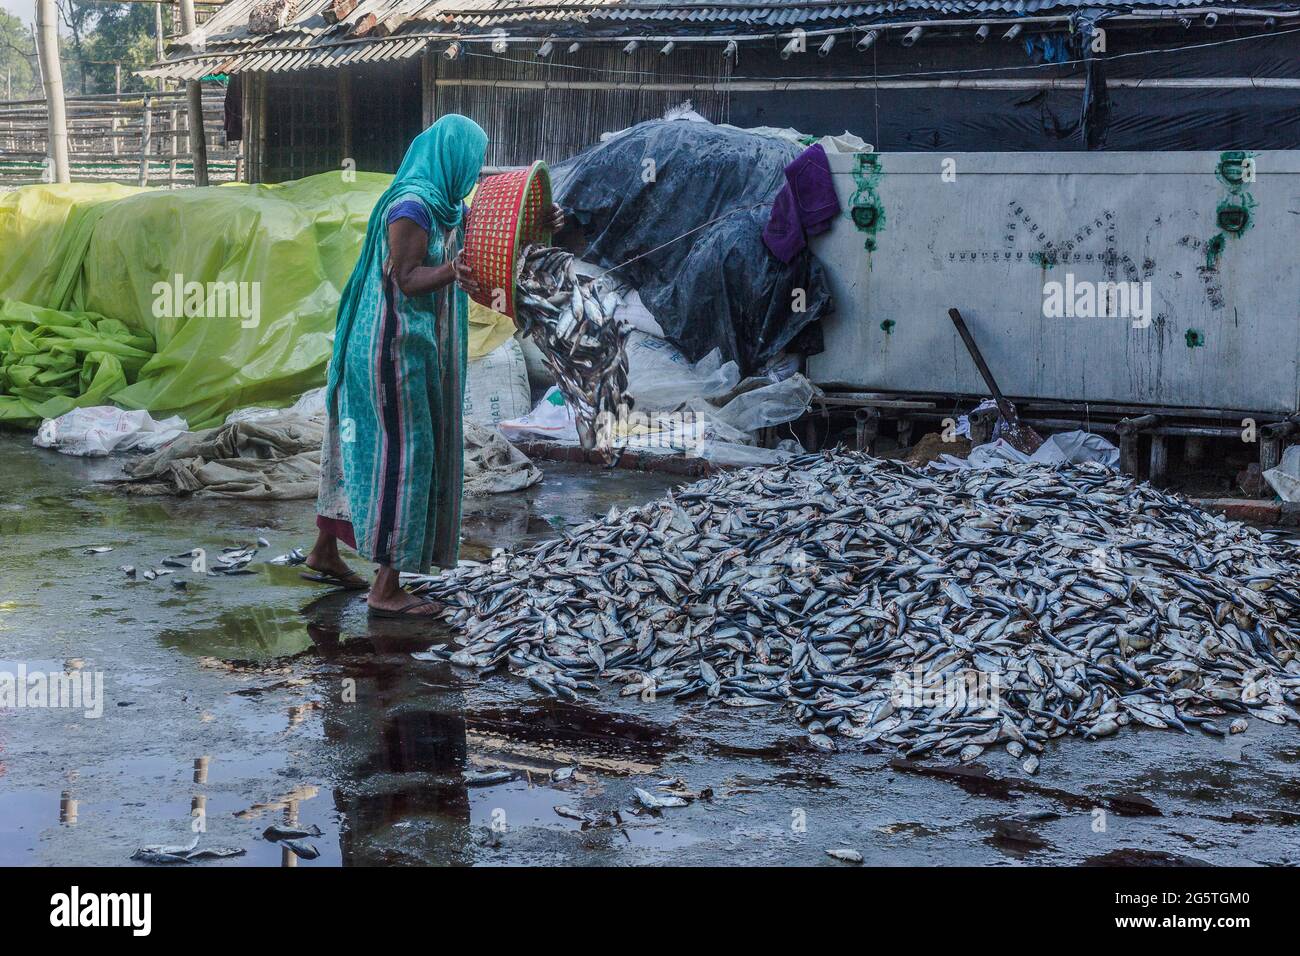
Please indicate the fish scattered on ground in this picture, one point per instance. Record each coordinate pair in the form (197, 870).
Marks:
(277, 832)
(939, 614)
(296, 556)
(845, 855)
(582, 344)
(304, 850)
(653, 801)
(160, 853)
(487, 778)
(98, 550)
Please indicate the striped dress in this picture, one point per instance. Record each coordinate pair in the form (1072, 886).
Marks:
(391, 464)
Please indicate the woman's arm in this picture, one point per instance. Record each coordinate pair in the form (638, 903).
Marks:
(408, 246)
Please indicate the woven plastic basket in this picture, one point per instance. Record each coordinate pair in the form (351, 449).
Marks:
(510, 211)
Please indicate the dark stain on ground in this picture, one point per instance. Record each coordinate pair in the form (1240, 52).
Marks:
(560, 722)
(1136, 857)
(1015, 838)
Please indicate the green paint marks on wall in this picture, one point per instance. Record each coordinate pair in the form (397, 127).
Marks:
(1234, 214)
(887, 326)
(1194, 338)
(1214, 249)
(865, 208)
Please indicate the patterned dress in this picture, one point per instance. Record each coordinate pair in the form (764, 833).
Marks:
(391, 465)
(384, 490)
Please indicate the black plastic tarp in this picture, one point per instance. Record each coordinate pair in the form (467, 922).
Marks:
(679, 207)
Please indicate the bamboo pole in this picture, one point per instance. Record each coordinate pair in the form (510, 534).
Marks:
(198, 140)
(47, 30)
(145, 129)
(158, 40)
(117, 84)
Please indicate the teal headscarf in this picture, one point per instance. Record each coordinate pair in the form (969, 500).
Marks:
(441, 167)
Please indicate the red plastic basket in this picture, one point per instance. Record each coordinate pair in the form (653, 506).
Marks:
(510, 211)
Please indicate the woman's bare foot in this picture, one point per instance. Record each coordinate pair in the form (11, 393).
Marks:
(388, 597)
(325, 559)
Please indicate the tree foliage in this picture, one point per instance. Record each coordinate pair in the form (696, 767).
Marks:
(18, 58)
(93, 38)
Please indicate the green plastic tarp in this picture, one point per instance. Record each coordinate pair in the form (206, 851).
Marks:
(283, 252)
(52, 361)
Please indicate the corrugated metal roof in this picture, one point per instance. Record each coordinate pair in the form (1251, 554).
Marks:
(226, 45)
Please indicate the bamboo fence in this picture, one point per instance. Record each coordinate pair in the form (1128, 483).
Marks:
(134, 138)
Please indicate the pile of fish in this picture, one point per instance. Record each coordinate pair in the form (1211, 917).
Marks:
(937, 614)
(581, 342)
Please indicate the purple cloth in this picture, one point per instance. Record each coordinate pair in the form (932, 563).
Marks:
(805, 205)
(413, 210)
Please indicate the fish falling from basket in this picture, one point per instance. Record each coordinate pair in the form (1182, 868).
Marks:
(581, 341)
(507, 245)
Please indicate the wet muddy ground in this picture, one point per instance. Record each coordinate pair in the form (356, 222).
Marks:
(265, 699)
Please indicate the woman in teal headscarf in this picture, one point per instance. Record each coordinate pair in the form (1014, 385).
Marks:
(392, 458)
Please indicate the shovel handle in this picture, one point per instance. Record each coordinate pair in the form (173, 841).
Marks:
(1003, 406)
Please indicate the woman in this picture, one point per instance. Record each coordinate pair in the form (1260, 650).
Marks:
(391, 461)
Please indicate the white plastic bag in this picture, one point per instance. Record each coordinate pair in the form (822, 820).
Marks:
(496, 386)
(105, 429)
(660, 377)
(1285, 478)
(773, 404)
(552, 419)
(309, 405)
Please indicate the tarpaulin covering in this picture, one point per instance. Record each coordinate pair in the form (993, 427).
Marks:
(227, 295)
(53, 361)
(1099, 112)
(691, 200)
(43, 234)
(276, 257)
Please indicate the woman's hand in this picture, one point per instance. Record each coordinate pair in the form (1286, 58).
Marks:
(557, 217)
(463, 274)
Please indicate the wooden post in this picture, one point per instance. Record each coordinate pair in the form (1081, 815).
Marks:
(194, 91)
(158, 40)
(1159, 458)
(117, 88)
(1130, 430)
(263, 82)
(345, 115)
(47, 31)
(146, 129)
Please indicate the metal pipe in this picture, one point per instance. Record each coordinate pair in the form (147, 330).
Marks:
(767, 86)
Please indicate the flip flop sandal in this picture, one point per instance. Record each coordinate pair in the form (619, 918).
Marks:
(352, 581)
(404, 611)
